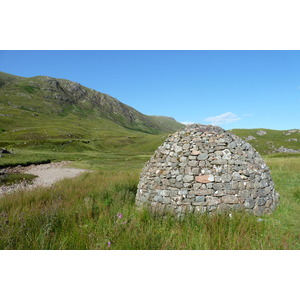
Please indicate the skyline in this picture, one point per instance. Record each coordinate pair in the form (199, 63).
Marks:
(231, 89)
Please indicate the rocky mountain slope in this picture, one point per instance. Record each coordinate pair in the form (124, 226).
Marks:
(58, 115)
(59, 97)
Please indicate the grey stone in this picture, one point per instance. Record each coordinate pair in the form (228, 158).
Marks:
(226, 154)
(158, 198)
(261, 132)
(212, 200)
(261, 201)
(177, 148)
(217, 186)
(236, 176)
(202, 156)
(200, 199)
(191, 158)
(232, 145)
(249, 203)
(195, 171)
(183, 192)
(193, 163)
(219, 193)
(219, 153)
(179, 184)
(226, 177)
(230, 199)
(183, 159)
(219, 162)
(217, 179)
(179, 177)
(188, 178)
(250, 138)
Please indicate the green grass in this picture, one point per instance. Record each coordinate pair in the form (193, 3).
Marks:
(271, 141)
(286, 175)
(14, 178)
(82, 213)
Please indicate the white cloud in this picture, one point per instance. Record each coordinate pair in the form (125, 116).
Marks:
(225, 118)
(187, 122)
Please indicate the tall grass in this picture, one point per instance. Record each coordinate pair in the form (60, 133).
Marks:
(97, 211)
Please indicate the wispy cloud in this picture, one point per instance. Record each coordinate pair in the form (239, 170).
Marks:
(225, 118)
(247, 115)
(187, 122)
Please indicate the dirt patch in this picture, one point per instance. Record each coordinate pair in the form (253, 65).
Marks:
(47, 174)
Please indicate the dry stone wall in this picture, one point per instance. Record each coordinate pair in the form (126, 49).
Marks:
(203, 168)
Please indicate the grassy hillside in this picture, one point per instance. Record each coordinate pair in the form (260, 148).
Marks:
(47, 118)
(272, 140)
(41, 97)
(167, 124)
(6, 78)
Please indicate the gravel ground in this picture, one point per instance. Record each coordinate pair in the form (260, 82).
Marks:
(47, 175)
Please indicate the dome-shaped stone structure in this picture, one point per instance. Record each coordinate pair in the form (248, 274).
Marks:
(202, 168)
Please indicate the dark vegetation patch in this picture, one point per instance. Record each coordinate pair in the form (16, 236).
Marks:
(30, 89)
(24, 162)
(9, 179)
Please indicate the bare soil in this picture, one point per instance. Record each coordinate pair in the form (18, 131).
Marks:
(47, 174)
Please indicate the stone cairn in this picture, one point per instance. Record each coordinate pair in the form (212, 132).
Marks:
(203, 168)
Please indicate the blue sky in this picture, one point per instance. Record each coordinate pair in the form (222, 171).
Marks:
(232, 89)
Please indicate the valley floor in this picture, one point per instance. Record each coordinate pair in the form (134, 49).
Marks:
(96, 210)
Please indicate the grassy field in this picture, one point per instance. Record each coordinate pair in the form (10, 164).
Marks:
(96, 211)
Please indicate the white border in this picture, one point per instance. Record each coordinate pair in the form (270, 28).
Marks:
(141, 25)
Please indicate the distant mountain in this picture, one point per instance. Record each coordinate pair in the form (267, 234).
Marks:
(61, 98)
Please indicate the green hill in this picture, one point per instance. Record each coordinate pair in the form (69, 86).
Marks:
(267, 141)
(43, 112)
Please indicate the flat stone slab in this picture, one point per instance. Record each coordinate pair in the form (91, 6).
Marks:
(205, 178)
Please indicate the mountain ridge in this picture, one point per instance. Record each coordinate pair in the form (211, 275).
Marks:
(61, 96)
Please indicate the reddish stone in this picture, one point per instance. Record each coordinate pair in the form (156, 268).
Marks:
(194, 152)
(204, 178)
